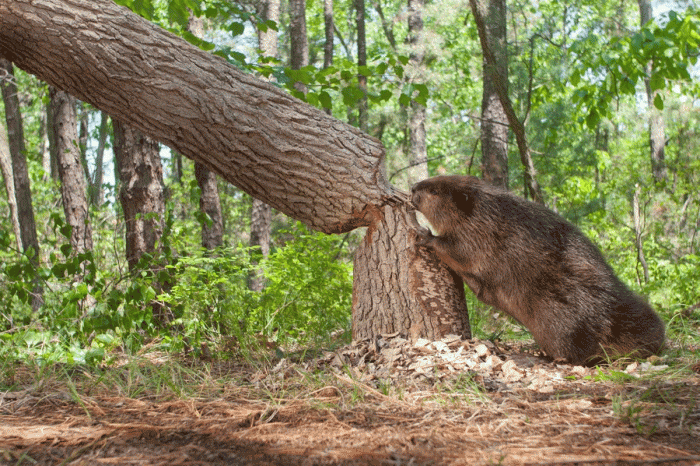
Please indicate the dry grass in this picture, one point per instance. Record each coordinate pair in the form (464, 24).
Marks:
(163, 412)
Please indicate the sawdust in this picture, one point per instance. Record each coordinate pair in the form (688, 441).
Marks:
(389, 401)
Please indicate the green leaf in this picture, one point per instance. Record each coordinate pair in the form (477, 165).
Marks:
(658, 102)
(325, 99)
(236, 29)
(657, 82)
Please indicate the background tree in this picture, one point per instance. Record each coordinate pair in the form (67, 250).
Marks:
(15, 136)
(418, 152)
(70, 169)
(95, 189)
(657, 133)
(298, 40)
(209, 202)
(362, 116)
(8, 177)
(500, 83)
(494, 123)
(261, 213)
(141, 196)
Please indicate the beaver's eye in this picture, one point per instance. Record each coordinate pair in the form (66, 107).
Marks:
(433, 191)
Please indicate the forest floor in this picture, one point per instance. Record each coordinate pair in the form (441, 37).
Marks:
(390, 402)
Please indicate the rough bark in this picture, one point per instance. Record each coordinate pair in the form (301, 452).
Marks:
(15, 138)
(142, 199)
(657, 126)
(417, 148)
(491, 72)
(494, 122)
(294, 157)
(70, 169)
(303, 162)
(421, 298)
(6, 168)
(209, 201)
(140, 190)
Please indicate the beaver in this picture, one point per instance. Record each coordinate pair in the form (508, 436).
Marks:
(527, 261)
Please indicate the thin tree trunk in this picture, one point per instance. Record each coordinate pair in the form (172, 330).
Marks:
(417, 148)
(70, 169)
(96, 191)
(209, 201)
(387, 26)
(53, 155)
(45, 143)
(494, 122)
(532, 187)
(363, 112)
(260, 212)
(296, 158)
(8, 177)
(328, 44)
(638, 233)
(299, 43)
(15, 138)
(83, 140)
(657, 127)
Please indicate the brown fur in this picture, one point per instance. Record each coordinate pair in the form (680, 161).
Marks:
(528, 261)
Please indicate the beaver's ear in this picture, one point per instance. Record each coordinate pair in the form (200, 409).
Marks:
(465, 199)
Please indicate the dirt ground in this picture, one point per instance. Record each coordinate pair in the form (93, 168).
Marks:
(336, 410)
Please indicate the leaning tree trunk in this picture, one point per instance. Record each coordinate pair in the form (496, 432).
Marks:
(70, 169)
(294, 157)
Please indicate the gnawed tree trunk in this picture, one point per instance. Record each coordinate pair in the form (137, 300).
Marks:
(429, 296)
(70, 169)
(23, 193)
(294, 157)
